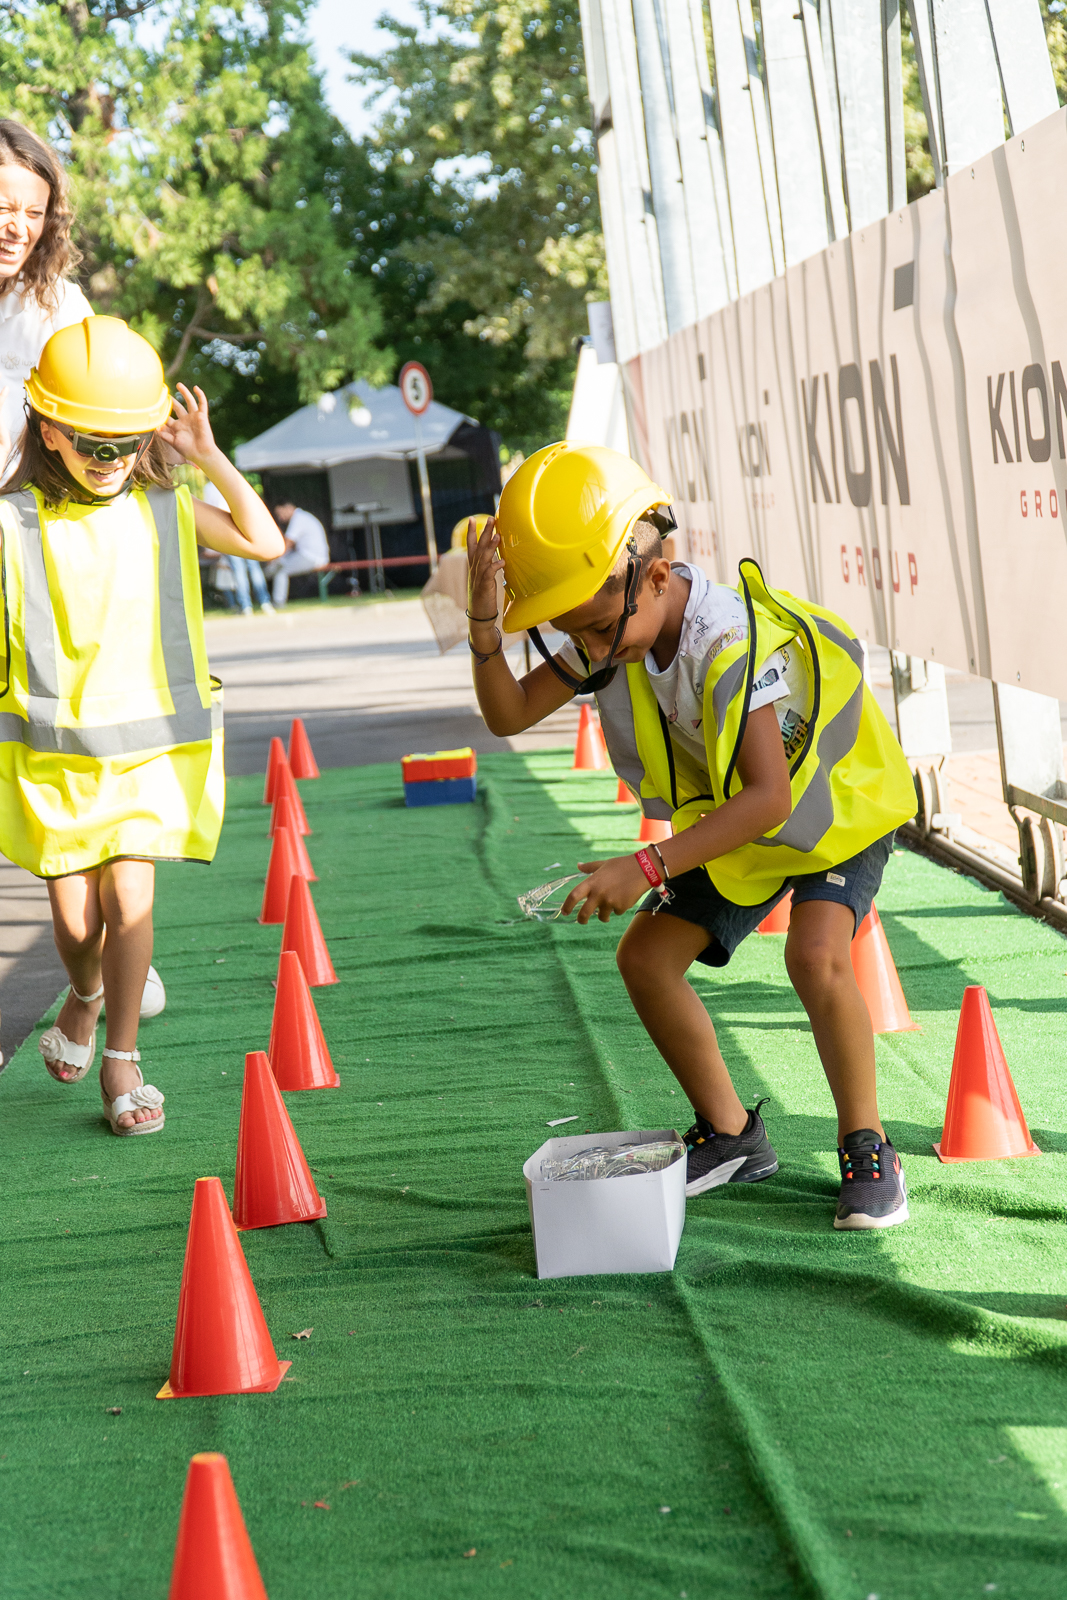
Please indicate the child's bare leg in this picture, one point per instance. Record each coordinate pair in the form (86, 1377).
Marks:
(78, 930)
(818, 960)
(126, 889)
(654, 955)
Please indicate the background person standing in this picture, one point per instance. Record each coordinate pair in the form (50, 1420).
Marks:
(306, 548)
(245, 573)
(36, 296)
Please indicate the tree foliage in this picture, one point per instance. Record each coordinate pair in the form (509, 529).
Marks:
(919, 162)
(213, 188)
(482, 227)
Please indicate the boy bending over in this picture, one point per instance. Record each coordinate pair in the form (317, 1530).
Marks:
(742, 716)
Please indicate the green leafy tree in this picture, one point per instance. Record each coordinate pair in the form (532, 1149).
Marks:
(920, 165)
(213, 189)
(481, 222)
(1054, 17)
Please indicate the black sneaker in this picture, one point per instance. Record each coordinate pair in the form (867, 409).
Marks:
(716, 1158)
(873, 1191)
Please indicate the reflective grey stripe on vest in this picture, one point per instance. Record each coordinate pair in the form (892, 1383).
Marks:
(723, 692)
(813, 815)
(620, 736)
(189, 722)
(851, 647)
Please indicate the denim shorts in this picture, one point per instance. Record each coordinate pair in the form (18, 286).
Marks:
(853, 883)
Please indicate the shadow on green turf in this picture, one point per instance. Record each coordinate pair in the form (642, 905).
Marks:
(1053, 1306)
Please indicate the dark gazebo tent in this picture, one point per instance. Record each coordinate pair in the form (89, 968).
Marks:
(350, 460)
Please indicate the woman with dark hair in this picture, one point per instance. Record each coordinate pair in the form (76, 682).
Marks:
(36, 254)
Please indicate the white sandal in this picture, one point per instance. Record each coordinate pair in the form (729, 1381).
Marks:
(146, 1097)
(59, 1051)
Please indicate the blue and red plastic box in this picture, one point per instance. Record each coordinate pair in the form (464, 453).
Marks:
(445, 778)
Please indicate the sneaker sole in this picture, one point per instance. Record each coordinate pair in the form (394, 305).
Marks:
(860, 1220)
(728, 1172)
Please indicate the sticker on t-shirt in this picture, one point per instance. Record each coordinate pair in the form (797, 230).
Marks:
(727, 637)
(794, 732)
(835, 877)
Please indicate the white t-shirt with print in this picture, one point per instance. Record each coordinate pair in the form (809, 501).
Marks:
(715, 618)
(25, 329)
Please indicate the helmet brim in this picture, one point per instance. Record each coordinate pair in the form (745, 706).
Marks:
(532, 611)
(96, 418)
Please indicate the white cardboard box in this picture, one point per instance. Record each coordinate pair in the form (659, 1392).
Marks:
(630, 1224)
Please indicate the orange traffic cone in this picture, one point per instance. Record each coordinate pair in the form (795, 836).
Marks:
(302, 761)
(299, 1057)
(303, 934)
(624, 795)
(282, 816)
(983, 1118)
(877, 977)
(590, 751)
(285, 783)
(283, 867)
(273, 1182)
(275, 757)
(654, 831)
(213, 1558)
(777, 920)
(221, 1342)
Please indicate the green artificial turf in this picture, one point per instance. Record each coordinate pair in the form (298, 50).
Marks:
(824, 1414)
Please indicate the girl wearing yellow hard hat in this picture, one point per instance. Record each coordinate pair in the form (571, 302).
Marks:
(110, 722)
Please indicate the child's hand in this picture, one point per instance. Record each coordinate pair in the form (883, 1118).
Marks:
(613, 886)
(483, 564)
(189, 431)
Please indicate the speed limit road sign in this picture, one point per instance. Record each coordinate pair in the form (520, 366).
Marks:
(415, 387)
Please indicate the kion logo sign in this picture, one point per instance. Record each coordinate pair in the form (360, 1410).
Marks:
(1033, 403)
(687, 452)
(845, 424)
(1025, 409)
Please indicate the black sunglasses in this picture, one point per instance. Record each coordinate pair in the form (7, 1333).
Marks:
(95, 448)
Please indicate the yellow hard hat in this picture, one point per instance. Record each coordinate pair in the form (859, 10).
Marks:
(100, 376)
(563, 520)
(459, 532)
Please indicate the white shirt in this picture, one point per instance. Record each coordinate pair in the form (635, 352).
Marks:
(25, 329)
(715, 618)
(309, 538)
(213, 497)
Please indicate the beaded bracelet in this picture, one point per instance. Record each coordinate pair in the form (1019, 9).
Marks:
(662, 863)
(644, 861)
(481, 657)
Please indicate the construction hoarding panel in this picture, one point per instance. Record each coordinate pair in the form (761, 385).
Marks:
(883, 427)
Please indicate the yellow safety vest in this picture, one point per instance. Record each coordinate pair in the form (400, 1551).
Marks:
(110, 722)
(849, 780)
